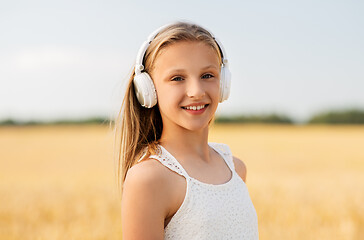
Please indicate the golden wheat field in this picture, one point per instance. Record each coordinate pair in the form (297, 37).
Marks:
(306, 182)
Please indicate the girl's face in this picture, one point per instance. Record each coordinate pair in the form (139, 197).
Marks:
(187, 80)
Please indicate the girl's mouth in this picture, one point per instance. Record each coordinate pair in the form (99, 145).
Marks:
(196, 109)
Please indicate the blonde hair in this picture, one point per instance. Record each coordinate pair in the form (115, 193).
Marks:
(137, 129)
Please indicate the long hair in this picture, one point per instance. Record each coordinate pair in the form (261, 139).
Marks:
(137, 129)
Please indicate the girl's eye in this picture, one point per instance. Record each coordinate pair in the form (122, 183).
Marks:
(208, 75)
(177, 79)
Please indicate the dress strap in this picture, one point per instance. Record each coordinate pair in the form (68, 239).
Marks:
(225, 152)
(169, 161)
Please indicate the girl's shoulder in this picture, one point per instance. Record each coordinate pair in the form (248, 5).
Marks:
(240, 168)
(147, 194)
(145, 200)
(153, 179)
(148, 173)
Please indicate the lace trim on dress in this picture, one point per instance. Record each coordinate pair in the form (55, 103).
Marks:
(168, 160)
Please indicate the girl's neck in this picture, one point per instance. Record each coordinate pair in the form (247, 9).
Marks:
(180, 141)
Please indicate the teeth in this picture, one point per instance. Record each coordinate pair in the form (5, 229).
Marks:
(195, 107)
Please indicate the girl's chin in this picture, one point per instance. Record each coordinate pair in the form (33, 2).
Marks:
(196, 127)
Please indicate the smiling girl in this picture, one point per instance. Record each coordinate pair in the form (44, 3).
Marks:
(175, 184)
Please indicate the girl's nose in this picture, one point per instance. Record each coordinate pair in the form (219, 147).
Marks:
(195, 89)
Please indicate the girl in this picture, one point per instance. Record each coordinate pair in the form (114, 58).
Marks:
(174, 183)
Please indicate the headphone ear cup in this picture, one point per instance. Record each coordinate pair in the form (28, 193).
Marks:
(145, 90)
(225, 82)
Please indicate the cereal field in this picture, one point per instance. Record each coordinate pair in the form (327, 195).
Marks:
(306, 182)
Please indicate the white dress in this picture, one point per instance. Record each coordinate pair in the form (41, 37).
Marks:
(209, 211)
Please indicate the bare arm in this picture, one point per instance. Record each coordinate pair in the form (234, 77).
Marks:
(143, 203)
(240, 168)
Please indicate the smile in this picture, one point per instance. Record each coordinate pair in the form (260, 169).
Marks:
(195, 108)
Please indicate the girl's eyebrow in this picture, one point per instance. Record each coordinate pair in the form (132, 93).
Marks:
(182, 70)
(210, 66)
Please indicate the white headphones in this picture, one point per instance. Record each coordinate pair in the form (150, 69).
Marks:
(143, 83)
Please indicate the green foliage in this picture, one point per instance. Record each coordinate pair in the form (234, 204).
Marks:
(95, 120)
(8, 122)
(351, 116)
(270, 118)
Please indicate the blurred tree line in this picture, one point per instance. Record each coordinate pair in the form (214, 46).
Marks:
(95, 120)
(339, 117)
(350, 116)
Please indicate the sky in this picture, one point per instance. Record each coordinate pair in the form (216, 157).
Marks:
(71, 59)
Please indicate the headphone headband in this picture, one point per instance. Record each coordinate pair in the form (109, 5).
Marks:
(139, 67)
